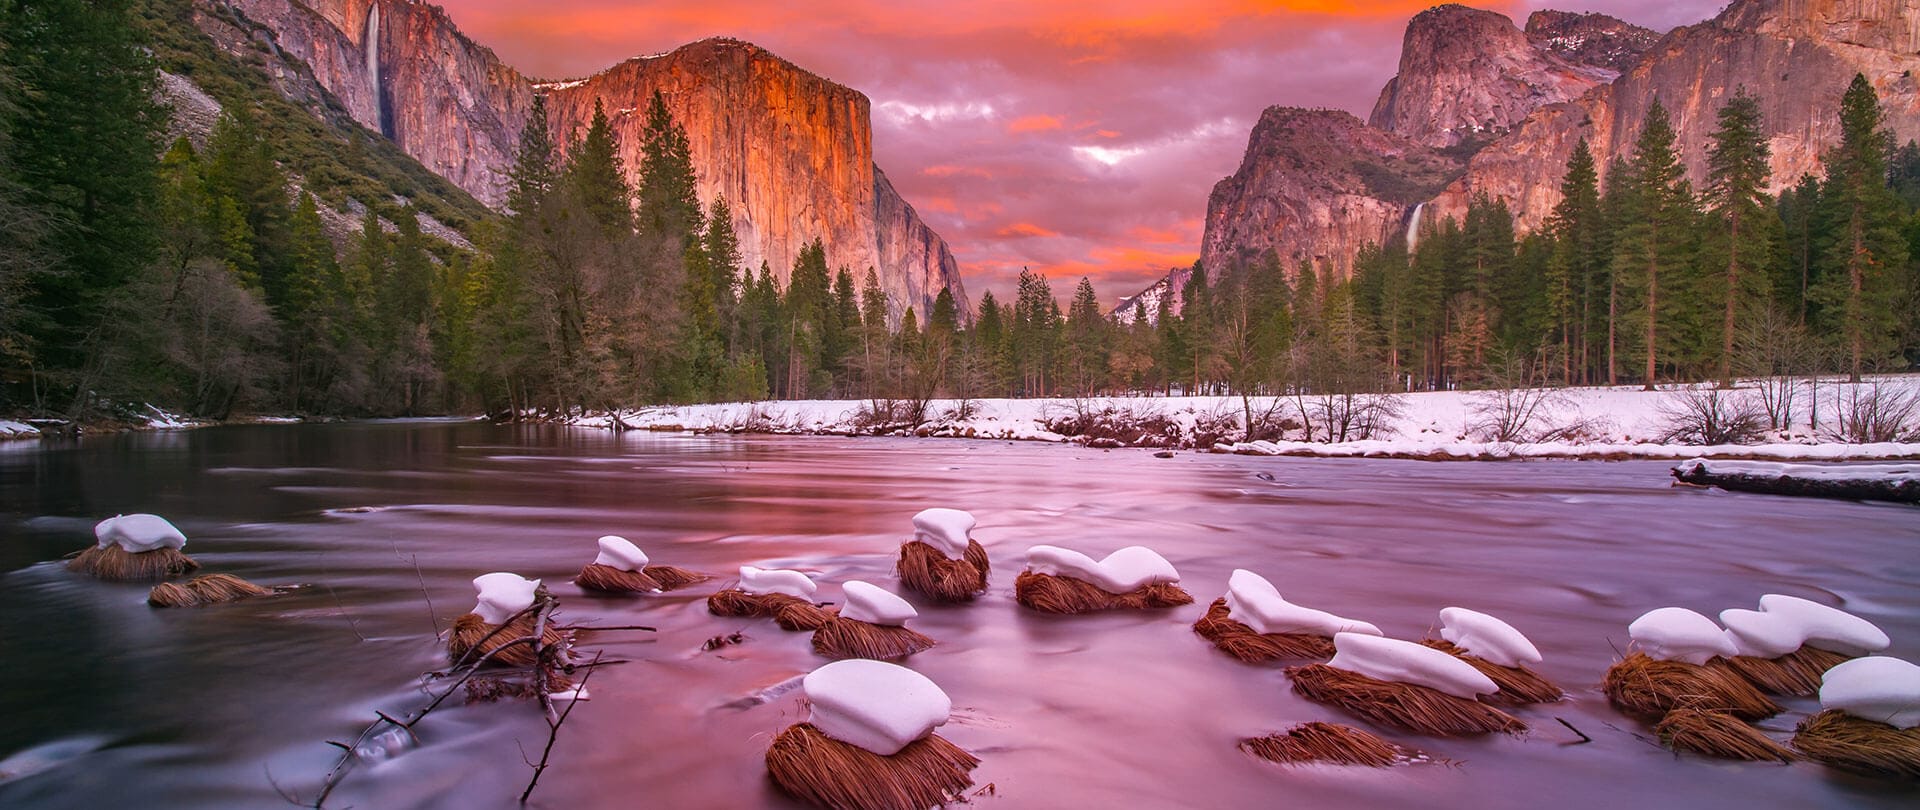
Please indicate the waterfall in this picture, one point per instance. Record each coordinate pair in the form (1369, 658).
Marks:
(373, 67)
(1413, 227)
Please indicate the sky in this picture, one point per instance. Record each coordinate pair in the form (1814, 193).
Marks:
(1075, 137)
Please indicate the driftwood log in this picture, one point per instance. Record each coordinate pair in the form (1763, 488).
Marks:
(1873, 483)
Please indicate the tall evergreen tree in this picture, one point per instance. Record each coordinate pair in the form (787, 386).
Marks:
(1745, 230)
(1864, 261)
(534, 164)
(1652, 246)
(1577, 260)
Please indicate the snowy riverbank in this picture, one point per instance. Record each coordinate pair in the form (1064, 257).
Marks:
(1618, 422)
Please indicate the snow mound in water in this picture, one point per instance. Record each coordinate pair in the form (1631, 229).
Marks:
(1828, 628)
(945, 529)
(1390, 659)
(1761, 634)
(776, 580)
(874, 605)
(502, 595)
(1128, 569)
(1253, 601)
(137, 533)
(1881, 689)
(875, 705)
(1679, 634)
(1487, 637)
(619, 552)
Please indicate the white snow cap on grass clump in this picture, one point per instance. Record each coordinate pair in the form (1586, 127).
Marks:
(1760, 634)
(1828, 628)
(137, 533)
(947, 530)
(502, 595)
(1390, 659)
(619, 552)
(1679, 634)
(1487, 638)
(875, 705)
(1879, 688)
(1128, 569)
(776, 580)
(874, 605)
(1253, 601)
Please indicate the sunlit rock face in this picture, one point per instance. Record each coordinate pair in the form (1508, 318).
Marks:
(791, 152)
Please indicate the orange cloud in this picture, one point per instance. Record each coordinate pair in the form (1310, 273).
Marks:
(1024, 230)
(1186, 232)
(1034, 123)
(945, 170)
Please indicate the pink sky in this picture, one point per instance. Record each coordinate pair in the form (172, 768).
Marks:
(1077, 137)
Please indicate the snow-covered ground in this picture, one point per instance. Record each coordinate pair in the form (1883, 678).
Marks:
(1616, 422)
(10, 429)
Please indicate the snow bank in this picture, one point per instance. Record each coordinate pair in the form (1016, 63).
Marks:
(1390, 659)
(1487, 638)
(502, 595)
(1123, 571)
(10, 429)
(619, 552)
(1253, 601)
(1615, 422)
(1679, 634)
(1882, 689)
(875, 705)
(945, 529)
(776, 580)
(872, 604)
(138, 533)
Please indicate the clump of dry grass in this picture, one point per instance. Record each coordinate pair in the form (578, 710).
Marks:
(1840, 740)
(111, 562)
(207, 589)
(1326, 742)
(472, 637)
(926, 571)
(1518, 685)
(790, 612)
(1059, 594)
(1402, 705)
(826, 772)
(1797, 673)
(1647, 688)
(651, 578)
(1719, 735)
(846, 638)
(1235, 638)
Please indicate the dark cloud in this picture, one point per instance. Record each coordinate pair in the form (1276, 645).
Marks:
(1076, 138)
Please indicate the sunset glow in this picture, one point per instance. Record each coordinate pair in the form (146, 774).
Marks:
(1075, 138)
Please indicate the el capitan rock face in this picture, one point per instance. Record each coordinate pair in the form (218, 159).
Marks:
(791, 152)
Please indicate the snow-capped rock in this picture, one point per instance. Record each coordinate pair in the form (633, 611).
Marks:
(1253, 601)
(1487, 637)
(1390, 659)
(619, 552)
(1128, 569)
(875, 705)
(872, 604)
(139, 532)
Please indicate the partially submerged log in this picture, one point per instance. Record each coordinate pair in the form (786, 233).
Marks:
(1648, 688)
(1518, 685)
(790, 612)
(1415, 708)
(598, 577)
(926, 571)
(111, 562)
(1048, 593)
(1840, 740)
(1326, 742)
(1235, 638)
(826, 772)
(1719, 735)
(1862, 482)
(206, 589)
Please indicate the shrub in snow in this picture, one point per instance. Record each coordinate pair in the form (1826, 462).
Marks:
(1870, 412)
(1707, 416)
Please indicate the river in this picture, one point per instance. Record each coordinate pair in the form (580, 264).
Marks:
(215, 707)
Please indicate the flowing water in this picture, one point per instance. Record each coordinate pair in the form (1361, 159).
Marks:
(119, 705)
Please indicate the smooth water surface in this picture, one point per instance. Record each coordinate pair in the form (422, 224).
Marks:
(127, 706)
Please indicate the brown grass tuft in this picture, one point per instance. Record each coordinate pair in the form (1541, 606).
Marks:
(470, 630)
(1840, 740)
(673, 577)
(1326, 742)
(847, 638)
(1056, 594)
(597, 577)
(206, 589)
(1719, 735)
(1797, 673)
(826, 772)
(790, 612)
(1518, 685)
(120, 565)
(1402, 705)
(924, 570)
(1647, 689)
(1235, 638)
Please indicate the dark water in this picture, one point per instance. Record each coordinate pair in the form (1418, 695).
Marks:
(209, 708)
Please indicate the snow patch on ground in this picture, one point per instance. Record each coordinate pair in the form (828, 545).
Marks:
(10, 429)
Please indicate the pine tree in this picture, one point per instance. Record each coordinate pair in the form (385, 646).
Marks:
(1745, 230)
(1657, 208)
(1865, 258)
(669, 212)
(1087, 339)
(722, 248)
(533, 174)
(597, 175)
(1576, 262)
